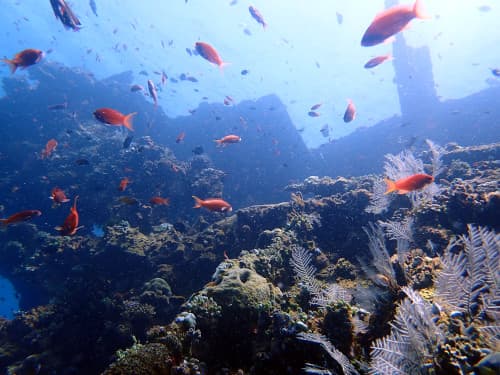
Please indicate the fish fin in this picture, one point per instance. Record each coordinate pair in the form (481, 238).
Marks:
(403, 192)
(65, 200)
(12, 65)
(389, 40)
(391, 186)
(222, 66)
(419, 10)
(127, 121)
(197, 202)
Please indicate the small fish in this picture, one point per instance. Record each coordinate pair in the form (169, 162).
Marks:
(164, 78)
(50, 147)
(131, 201)
(224, 141)
(64, 13)
(212, 204)
(152, 92)
(390, 22)
(210, 53)
(340, 18)
(127, 142)
(408, 184)
(350, 112)
(192, 79)
(135, 88)
(160, 201)
(70, 225)
(244, 72)
(495, 72)
(257, 16)
(113, 117)
(21, 216)
(316, 106)
(82, 162)
(325, 131)
(313, 114)
(58, 195)
(180, 137)
(188, 50)
(372, 63)
(24, 59)
(123, 184)
(54, 107)
(93, 6)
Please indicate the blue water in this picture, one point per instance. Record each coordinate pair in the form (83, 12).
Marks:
(9, 302)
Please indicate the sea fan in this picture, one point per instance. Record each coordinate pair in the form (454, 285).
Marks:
(436, 151)
(379, 201)
(470, 277)
(410, 346)
(402, 165)
(401, 232)
(381, 257)
(305, 274)
(330, 349)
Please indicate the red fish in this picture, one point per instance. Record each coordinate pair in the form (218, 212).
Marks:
(21, 216)
(24, 59)
(350, 112)
(212, 204)
(160, 201)
(231, 138)
(180, 137)
(50, 147)
(113, 117)
(408, 184)
(58, 196)
(372, 63)
(152, 92)
(210, 53)
(123, 184)
(390, 22)
(257, 16)
(70, 225)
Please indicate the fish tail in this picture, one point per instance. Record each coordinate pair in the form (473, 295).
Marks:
(419, 10)
(222, 65)
(391, 186)
(127, 121)
(219, 142)
(12, 65)
(197, 202)
(74, 203)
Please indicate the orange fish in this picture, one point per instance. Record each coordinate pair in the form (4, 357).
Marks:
(180, 137)
(390, 22)
(24, 59)
(212, 204)
(372, 63)
(58, 196)
(231, 138)
(21, 216)
(160, 201)
(50, 147)
(257, 16)
(113, 117)
(350, 112)
(408, 184)
(210, 53)
(123, 184)
(70, 225)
